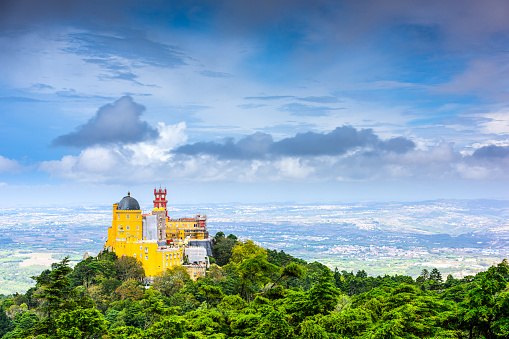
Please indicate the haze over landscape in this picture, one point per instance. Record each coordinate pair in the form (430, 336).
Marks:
(253, 101)
(371, 135)
(254, 169)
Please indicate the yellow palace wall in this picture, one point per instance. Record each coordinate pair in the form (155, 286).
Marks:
(125, 238)
(176, 229)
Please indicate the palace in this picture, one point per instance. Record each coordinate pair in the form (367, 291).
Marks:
(156, 240)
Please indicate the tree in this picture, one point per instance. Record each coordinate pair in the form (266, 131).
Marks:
(282, 259)
(292, 270)
(486, 309)
(80, 323)
(435, 275)
(324, 296)
(130, 290)
(361, 274)
(153, 307)
(108, 286)
(6, 324)
(55, 290)
(84, 271)
(232, 237)
(129, 268)
(246, 249)
(253, 272)
(171, 281)
(223, 247)
(404, 311)
(275, 326)
(310, 329)
(168, 328)
(425, 274)
(215, 272)
(212, 294)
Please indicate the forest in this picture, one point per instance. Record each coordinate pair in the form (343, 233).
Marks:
(252, 292)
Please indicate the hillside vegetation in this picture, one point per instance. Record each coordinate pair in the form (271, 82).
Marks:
(251, 292)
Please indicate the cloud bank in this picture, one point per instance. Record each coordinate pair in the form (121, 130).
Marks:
(261, 145)
(343, 154)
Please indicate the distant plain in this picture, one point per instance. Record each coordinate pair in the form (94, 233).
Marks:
(460, 237)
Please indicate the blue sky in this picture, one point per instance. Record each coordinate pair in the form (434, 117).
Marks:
(253, 101)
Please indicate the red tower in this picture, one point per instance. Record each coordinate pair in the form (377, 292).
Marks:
(160, 199)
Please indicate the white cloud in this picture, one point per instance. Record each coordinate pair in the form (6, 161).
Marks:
(8, 165)
(115, 163)
(152, 162)
(158, 150)
(293, 168)
(498, 122)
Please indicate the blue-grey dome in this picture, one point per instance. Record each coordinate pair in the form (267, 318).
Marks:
(128, 204)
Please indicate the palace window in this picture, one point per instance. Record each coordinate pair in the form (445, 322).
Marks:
(127, 216)
(128, 227)
(134, 255)
(146, 249)
(146, 257)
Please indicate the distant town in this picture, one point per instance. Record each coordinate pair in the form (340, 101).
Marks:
(460, 237)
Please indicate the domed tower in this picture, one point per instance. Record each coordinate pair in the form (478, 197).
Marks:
(126, 224)
(128, 203)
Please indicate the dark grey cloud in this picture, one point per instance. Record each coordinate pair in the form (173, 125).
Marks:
(253, 146)
(113, 123)
(337, 142)
(270, 97)
(398, 145)
(307, 110)
(125, 43)
(491, 152)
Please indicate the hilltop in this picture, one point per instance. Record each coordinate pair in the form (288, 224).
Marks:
(252, 292)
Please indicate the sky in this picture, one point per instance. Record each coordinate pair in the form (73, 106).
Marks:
(253, 101)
